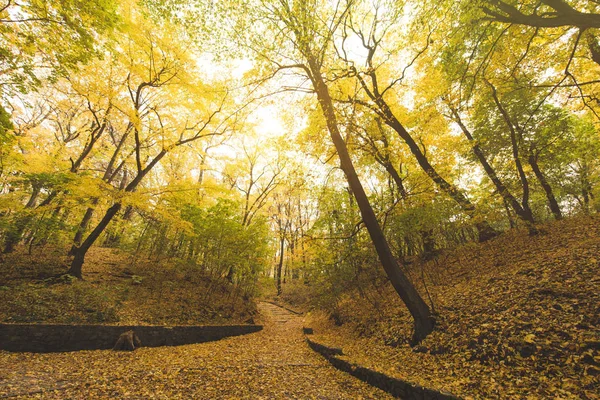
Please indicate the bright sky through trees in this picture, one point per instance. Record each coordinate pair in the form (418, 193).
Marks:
(407, 126)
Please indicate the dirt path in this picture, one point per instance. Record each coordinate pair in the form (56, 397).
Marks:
(275, 363)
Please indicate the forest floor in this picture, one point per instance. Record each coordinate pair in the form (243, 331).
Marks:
(517, 317)
(274, 363)
(118, 289)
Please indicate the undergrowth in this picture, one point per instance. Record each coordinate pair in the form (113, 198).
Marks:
(117, 290)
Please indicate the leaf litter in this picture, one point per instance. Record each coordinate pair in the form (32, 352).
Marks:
(518, 317)
(274, 363)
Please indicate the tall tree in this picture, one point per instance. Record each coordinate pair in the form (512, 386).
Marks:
(158, 86)
(309, 41)
(375, 97)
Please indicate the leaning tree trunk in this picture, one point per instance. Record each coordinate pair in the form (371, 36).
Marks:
(424, 320)
(515, 137)
(485, 231)
(554, 207)
(507, 196)
(83, 225)
(81, 251)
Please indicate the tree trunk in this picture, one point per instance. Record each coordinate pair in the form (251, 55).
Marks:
(36, 188)
(491, 173)
(15, 232)
(280, 264)
(514, 141)
(81, 251)
(484, 229)
(424, 320)
(507, 209)
(83, 225)
(545, 185)
(428, 243)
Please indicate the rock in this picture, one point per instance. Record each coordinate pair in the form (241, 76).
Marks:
(127, 341)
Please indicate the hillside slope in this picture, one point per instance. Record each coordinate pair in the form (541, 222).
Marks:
(118, 289)
(518, 316)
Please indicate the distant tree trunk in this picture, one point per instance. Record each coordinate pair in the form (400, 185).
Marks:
(507, 209)
(507, 196)
(586, 187)
(522, 177)
(424, 320)
(15, 232)
(426, 234)
(51, 196)
(428, 242)
(484, 229)
(545, 185)
(280, 264)
(114, 237)
(514, 141)
(36, 188)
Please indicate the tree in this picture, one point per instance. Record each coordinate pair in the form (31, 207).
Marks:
(376, 101)
(545, 14)
(29, 31)
(156, 69)
(293, 24)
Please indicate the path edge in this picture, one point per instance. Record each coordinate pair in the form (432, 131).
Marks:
(396, 387)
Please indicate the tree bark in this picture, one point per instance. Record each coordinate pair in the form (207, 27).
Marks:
(15, 232)
(83, 225)
(564, 15)
(554, 207)
(280, 264)
(514, 141)
(81, 251)
(485, 231)
(424, 320)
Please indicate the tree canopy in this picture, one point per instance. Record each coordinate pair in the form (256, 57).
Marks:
(306, 141)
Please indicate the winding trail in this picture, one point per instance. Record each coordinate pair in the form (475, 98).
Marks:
(274, 363)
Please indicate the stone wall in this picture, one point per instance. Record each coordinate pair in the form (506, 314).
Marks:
(394, 386)
(40, 338)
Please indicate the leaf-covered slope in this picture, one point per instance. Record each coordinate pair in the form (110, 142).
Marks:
(518, 315)
(117, 290)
